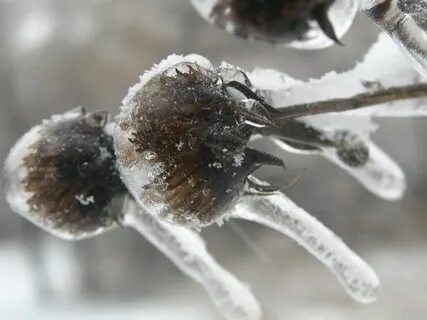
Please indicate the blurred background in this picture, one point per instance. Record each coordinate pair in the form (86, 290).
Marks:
(58, 54)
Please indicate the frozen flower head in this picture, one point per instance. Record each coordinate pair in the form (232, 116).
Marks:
(181, 143)
(61, 175)
(300, 23)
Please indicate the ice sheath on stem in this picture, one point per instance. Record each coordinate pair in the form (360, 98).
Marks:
(187, 250)
(280, 213)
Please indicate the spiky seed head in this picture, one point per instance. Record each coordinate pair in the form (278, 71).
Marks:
(61, 175)
(181, 144)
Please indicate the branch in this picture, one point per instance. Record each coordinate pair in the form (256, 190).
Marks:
(356, 102)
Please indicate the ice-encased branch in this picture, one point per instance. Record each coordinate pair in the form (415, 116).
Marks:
(403, 28)
(356, 102)
(188, 251)
(281, 214)
(383, 67)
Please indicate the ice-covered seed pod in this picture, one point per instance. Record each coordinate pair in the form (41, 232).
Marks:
(61, 175)
(181, 143)
(305, 24)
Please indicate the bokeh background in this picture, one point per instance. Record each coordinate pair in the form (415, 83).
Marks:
(57, 54)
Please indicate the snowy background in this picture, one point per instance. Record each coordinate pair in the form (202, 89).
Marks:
(57, 54)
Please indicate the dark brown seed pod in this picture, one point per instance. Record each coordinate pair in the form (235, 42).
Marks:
(61, 175)
(181, 143)
(274, 21)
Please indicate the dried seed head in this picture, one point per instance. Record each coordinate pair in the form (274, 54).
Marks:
(61, 175)
(181, 143)
(275, 21)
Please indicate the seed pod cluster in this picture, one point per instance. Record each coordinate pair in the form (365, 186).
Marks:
(274, 21)
(61, 175)
(181, 144)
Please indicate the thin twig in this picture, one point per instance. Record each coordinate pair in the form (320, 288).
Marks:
(358, 101)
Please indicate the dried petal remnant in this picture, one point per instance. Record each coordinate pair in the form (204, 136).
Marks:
(185, 124)
(70, 178)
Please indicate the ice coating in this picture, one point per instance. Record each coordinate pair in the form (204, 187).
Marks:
(380, 174)
(41, 182)
(403, 28)
(341, 14)
(16, 195)
(281, 214)
(187, 250)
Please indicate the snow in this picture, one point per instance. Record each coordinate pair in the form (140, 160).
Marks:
(188, 251)
(281, 214)
(238, 159)
(85, 200)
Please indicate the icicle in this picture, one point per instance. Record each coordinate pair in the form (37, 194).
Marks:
(281, 214)
(187, 250)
